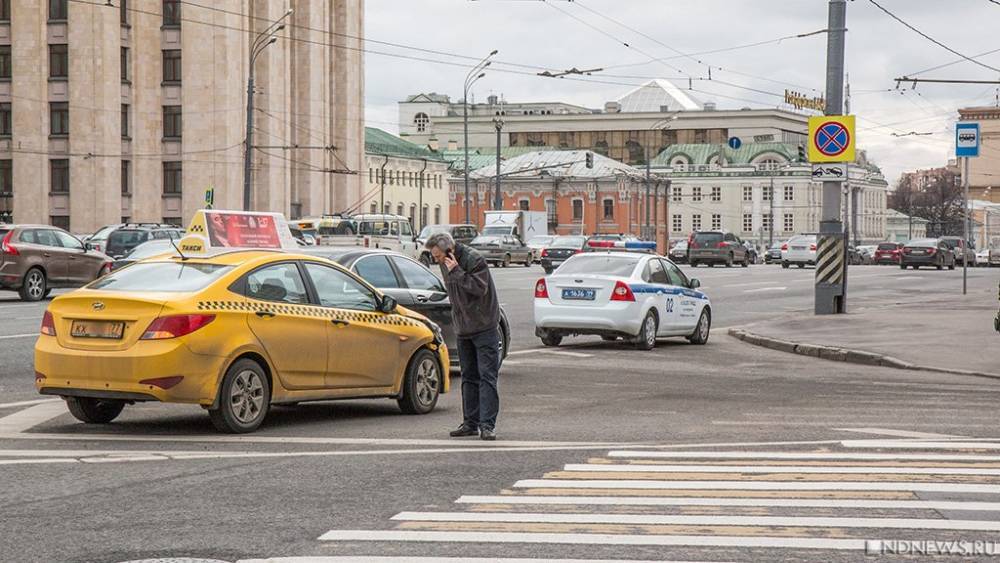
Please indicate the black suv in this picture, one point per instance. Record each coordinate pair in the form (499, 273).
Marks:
(122, 241)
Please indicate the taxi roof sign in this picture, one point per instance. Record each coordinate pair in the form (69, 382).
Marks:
(213, 231)
(831, 138)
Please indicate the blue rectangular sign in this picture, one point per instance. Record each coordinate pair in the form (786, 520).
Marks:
(967, 139)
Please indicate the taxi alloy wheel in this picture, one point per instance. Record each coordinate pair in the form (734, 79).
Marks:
(701, 332)
(422, 384)
(646, 340)
(34, 286)
(94, 411)
(244, 399)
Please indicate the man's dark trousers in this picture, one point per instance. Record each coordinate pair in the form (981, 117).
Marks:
(479, 355)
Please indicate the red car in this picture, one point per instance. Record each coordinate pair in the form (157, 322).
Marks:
(888, 253)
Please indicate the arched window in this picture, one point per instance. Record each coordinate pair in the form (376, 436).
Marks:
(374, 207)
(636, 154)
(421, 121)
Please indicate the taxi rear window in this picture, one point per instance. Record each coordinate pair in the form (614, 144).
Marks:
(603, 265)
(162, 276)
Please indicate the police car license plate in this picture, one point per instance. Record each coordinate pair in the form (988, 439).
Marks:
(579, 294)
(98, 329)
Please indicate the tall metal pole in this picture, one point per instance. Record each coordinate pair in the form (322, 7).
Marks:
(249, 144)
(831, 288)
(498, 197)
(381, 189)
(645, 203)
(965, 238)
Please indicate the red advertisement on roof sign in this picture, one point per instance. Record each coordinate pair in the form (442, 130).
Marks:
(240, 230)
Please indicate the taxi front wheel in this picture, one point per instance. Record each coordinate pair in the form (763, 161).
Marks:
(421, 384)
(94, 411)
(244, 398)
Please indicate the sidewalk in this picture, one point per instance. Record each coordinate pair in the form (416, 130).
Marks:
(954, 335)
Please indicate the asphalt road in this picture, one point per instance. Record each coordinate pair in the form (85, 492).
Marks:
(359, 479)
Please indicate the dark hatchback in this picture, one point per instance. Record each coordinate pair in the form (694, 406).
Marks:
(560, 250)
(411, 283)
(122, 241)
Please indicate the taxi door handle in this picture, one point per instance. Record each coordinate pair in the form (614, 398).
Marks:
(339, 322)
(423, 298)
(264, 314)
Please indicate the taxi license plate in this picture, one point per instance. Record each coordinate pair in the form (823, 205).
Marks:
(98, 329)
(579, 294)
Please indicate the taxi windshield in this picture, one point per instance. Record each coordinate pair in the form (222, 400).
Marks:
(609, 265)
(162, 276)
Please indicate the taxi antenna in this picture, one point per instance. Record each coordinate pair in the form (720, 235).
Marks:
(174, 244)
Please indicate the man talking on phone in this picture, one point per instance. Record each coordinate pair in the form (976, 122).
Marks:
(475, 311)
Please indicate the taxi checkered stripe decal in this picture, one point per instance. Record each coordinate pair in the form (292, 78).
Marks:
(307, 310)
(197, 229)
(830, 259)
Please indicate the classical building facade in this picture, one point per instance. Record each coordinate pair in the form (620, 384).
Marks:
(131, 111)
(402, 178)
(900, 227)
(984, 171)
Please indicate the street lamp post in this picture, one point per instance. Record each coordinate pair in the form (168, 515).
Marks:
(475, 74)
(261, 42)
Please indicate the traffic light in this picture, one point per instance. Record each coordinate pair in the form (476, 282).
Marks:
(590, 159)
(802, 154)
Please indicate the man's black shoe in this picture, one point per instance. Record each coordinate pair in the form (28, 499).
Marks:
(487, 434)
(464, 430)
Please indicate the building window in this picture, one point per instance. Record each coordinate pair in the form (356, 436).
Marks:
(124, 65)
(696, 222)
(176, 221)
(765, 193)
(172, 125)
(747, 223)
(59, 176)
(123, 11)
(392, 177)
(696, 193)
(609, 209)
(399, 209)
(171, 13)
(58, 118)
(57, 10)
(387, 208)
(524, 205)
(550, 212)
(747, 193)
(58, 61)
(716, 221)
(678, 224)
(413, 213)
(789, 193)
(126, 177)
(678, 193)
(6, 177)
(767, 221)
(59, 221)
(4, 10)
(424, 211)
(371, 175)
(789, 222)
(421, 121)
(125, 124)
(6, 124)
(4, 62)
(172, 178)
(172, 66)
(716, 193)
(577, 209)
(437, 215)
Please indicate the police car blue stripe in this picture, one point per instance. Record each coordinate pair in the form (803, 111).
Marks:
(645, 288)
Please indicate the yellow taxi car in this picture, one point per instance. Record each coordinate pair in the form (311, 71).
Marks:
(235, 332)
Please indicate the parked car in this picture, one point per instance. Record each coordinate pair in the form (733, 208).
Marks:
(888, 252)
(751, 250)
(717, 247)
(927, 252)
(958, 248)
(99, 239)
(145, 250)
(303, 238)
(123, 240)
(867, 254)
(854, 257)
(983, 258)
(412, 284)
(538, 244)
(560, 250)
(463, 233)
(501, 250)
(773, 254)
(34, 259)
(799, 250)
(679, 253)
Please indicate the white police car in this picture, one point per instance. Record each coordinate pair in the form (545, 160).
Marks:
(635, 296)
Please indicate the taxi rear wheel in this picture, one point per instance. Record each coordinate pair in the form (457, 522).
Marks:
(244, 398)
(422, 384)
(94, 411)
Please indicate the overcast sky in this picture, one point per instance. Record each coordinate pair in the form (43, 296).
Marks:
(548, 35)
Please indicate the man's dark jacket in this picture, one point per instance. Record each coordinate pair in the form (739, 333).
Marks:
(474, 304)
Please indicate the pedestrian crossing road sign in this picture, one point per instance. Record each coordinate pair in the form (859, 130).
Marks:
(831, 138)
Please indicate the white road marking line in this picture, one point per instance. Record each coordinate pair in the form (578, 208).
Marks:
(802, 455)
(977, 506)
(547, 351)
(37, 461)
(701, 520)
(3, 305)
(12, 336)
(32, 416)
(919, 445)
(28, 403)
(781, 288)
(898, 433)
(410, 559)
(591, 539)
(597, 467)
(755, 485)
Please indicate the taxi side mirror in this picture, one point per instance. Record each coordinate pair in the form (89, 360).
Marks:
(388, 304)
(694, 283)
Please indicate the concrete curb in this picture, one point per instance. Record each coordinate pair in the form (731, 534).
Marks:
(838, 354)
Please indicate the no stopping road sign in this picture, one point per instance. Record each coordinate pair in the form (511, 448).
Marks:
(831, 138)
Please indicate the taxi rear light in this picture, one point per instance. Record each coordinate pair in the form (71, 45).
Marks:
(541, 290)
(48, 324)
(6, 247)
(622, 292)
(175, 325)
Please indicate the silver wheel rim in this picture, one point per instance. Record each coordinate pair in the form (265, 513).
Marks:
(34, 283)
(246, 397)
(650, 330)
(703, 327)
(427, 381)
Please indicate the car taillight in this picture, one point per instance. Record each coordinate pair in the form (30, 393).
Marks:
(812, 246)
(545, 252)
(784, 246)
(48, 325)
(622, 292)
(578, 251)
(6, 247)
(931, 250)
(721, 245)
(175, 325)
(541, 290)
